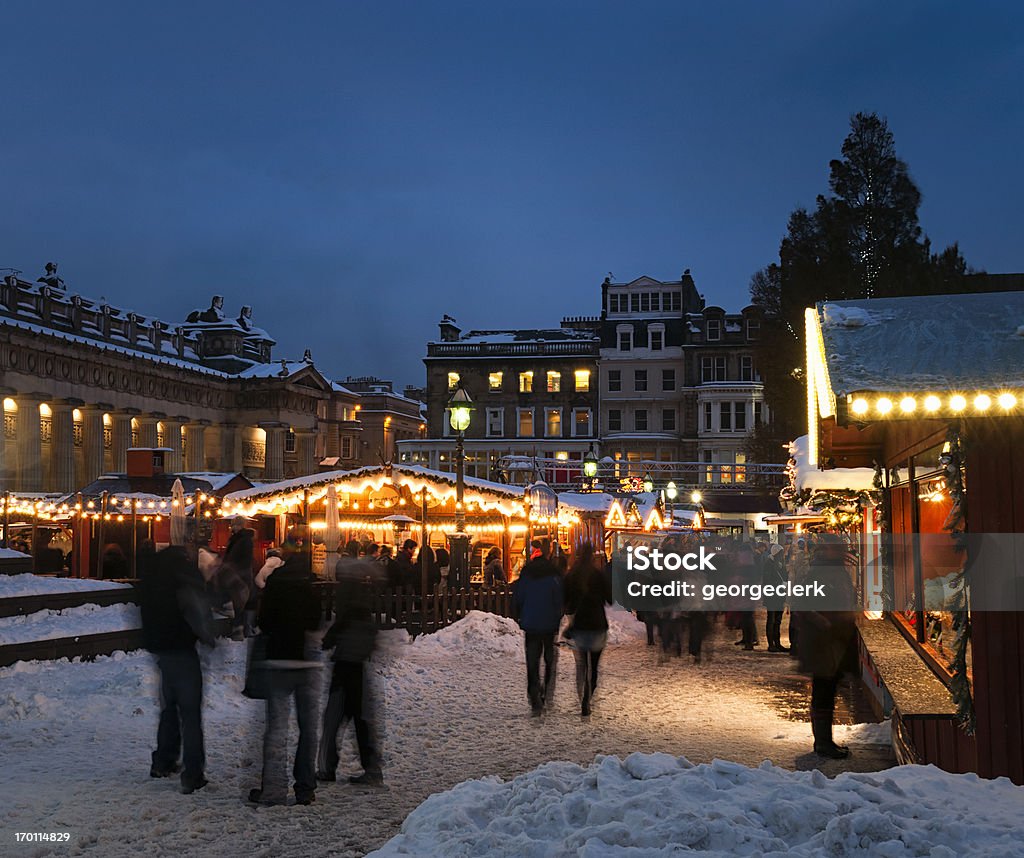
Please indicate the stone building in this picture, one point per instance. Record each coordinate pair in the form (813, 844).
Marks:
(83, 381)
(385, 418)
(534, 392)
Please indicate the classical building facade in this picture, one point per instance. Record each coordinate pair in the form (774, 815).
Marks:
(534, 392)
(385, 418)
(83, 381)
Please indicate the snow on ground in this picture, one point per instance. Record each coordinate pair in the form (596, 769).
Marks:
(68, 622)
(76, 739)
(39, 585)
(658, 804)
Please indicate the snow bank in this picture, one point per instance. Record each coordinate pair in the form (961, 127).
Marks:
(39, 585)
(623, 627)
(83, 620)
(848, 317)
(477, 633)
(658, 804)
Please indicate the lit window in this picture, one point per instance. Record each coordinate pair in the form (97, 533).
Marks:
(553, 422)
(582, 380)
(526, 383)
(494, 382)
(495, 422)
(554, 381)
(525, 422)
(453, 381)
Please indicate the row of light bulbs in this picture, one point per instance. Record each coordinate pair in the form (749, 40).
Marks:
(957, 404)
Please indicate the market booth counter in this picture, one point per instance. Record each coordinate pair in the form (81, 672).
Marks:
(942, 423)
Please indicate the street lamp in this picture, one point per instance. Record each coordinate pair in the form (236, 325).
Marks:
(648, 482)
(696, 496)
(460, 413)
(590, 469)
(671, 492)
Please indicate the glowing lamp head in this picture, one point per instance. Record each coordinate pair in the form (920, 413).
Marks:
(648, 482)
(671, 491)
(884, 405)
(590, 465)
(1007, 401)
(460, 409)
(932, 403)
(982, 402)
(957, 403)
(696, 496)
(859, 406)
(908, 404)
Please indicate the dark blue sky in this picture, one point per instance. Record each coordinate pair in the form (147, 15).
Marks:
(356, 170)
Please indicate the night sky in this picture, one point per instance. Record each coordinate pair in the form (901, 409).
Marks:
(355, 170)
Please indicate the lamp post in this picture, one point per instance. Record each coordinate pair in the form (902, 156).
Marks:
(590, 470)
(460, 412)
(671, 492)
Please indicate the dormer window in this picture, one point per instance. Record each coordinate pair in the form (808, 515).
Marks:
(714, 330)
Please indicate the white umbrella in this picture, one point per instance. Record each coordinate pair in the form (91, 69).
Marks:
(332, 531)
(179, 524)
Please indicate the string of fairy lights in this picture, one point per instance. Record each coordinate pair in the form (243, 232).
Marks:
(116, 508)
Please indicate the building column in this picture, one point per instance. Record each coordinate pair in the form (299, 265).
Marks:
(92, 444)
(305, 452)
(195, 447)
(120, 440)
(172, 441)
(230, 448)
(6, 456)
(30, 443)
(147, 430)
(62, 444)
(273, 463)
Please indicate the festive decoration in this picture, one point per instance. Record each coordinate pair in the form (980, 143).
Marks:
(952, 462)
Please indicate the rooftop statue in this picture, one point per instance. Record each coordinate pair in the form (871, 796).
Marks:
(244, 320)
(215, 312)
(50, 278)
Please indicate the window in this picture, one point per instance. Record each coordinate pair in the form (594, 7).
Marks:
(707, 416)
(289, 440)
(668, 420)
(746, 368)
(554, 382)
(453, 381)
(758, 417)
(753, 329)
(614, 380)
(709, 471)
(634, 302)
(645, 302)
(714, 330)
(741, 471)
(494, 382)
(526, 382)
(581, 422)
(525, 422)
(495, 422)
(712, 369)
(655, 302)
(740, 416)
(640, 380)
(668, 380)
(582, 380)
(553, 422)
(614, 420)
(346, 447)
(626, 339)
(640, 420)
(657, 339)
(725, 417)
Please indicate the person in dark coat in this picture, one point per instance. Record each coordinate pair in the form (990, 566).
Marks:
(537, 599)
(175, 614)
(289, 613)
(494, 572)
(587, 591)
(401, 572)
(352, 638)
(426, 554)
(774, 574)
(115, 564)
(827, 639)
(237, 578)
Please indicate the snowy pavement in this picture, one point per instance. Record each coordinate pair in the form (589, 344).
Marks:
(76, 740)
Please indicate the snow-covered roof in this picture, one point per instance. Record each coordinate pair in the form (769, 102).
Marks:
(926, 343)
(276, 369)
(586, 501)
(532, 335)
(835, 479)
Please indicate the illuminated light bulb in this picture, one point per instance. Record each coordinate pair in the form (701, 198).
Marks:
(1007, 401)
(908, 404)
(860, 406)
(957, 403)
(120, 518)
(884, 405)
(982, 402)
(932, 403)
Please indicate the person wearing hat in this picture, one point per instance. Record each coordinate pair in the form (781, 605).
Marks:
(775, 575)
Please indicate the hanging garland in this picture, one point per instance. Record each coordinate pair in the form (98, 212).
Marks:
(952, 462)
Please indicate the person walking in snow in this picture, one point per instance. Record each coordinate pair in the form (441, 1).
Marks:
(774, 574)
(289, 613)
(537, 599)
(587, 591)
(175, 614)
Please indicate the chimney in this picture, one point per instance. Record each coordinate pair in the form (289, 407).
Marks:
(449, 331)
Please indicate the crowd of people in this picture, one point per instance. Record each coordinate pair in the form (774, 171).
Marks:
(279, 608)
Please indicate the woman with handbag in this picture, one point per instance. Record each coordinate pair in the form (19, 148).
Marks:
(587, 591)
